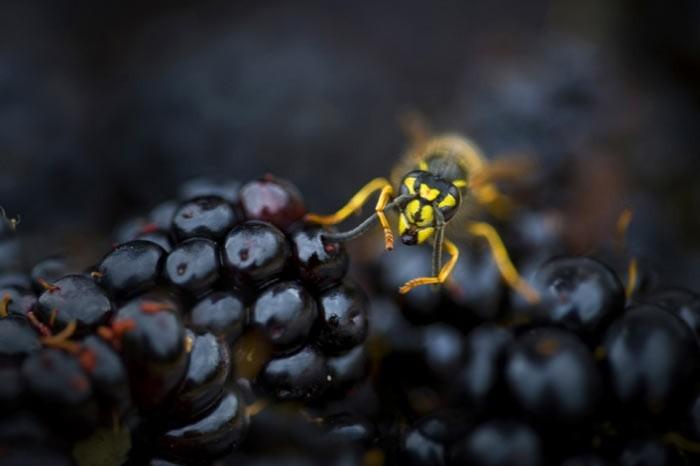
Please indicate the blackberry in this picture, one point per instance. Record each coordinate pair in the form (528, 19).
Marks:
(209, 217)
(652, 358)
(153, 347)
(131, 268)
(285, 313)
(203, 383)
(222, 313)
(215, 433)
(193, 265)
(272, 200)
(343, 318)
(299, 376)
(579, 293)
(499, 443)
(477, 381)
(254, 253)
(74, 298)
(552, 375)
(320, 262)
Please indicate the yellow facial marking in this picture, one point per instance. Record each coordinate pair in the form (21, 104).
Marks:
(449, 201)
(427, 216)
(460, 183)
(412, 209)
(424, 234)
(410, 183)
(403, 224)
(423, 165)
(428, 193)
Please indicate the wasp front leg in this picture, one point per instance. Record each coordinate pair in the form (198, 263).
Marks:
(353, 205)
(442, 276)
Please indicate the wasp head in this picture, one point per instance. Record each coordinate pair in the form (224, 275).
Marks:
(429, 200)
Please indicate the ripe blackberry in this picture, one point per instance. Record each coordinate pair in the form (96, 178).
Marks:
(193, 265)
(477, 381)
(209, 217)
(652, 359)
(552, 375)
(320, 263)
(131, 268)
(343, 318)
(285, 313)
(219, 431)
(208, 368)
(222, 313)
(254, 253)
(272, 200)
(153, 347)
(303, 375)
(499, 443)
(74, 298)
(579, 293)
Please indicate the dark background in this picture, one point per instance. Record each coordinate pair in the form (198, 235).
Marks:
(106, 107)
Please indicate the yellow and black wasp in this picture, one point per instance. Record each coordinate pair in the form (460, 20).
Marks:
(440, 181)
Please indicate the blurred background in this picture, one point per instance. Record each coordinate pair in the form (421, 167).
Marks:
(107, 107)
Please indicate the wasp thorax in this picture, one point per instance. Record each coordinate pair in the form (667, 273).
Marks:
(430, 202)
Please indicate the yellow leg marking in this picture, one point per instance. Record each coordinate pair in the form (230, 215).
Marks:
(353, 205)
(383, 200)
(444, 273)
(632, 278)
(505, 265)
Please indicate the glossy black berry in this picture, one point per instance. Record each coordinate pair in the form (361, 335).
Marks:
(343, 317)
(319, 262)
(254, 253)
(222, 313)
(486, 347)
(159, 237)
(301, 376)
(153, 347)
(553, 375)
(17, 280)
(208, 217)
(203, 383)
(427, 442)
(344, 428)
(131, 268)
(499, 443)
(199, 187)
(285, 313)
(579, 293)
(348, 369)
(193, 265)
(58, 383)
(106, 370)
(48, 270)
(220, 430)
(161, 216)
(17, 338)
(683, 303)
(476, 285)
(442, 350)
(15, 301)
(651, 357)
(74, 298)
(272, 200)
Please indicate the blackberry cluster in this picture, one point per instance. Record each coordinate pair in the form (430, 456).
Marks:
(588, 376)
(214, 306)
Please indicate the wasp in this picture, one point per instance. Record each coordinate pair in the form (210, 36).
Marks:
(440, 181)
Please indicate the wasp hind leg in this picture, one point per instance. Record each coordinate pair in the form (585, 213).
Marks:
(442, 275)
(505, 265)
